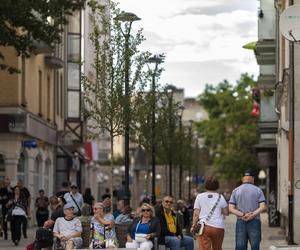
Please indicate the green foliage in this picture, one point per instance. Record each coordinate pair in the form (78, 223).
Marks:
(23, 23)
(230, 132)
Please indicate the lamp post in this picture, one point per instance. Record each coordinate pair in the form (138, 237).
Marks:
(129, 18)
(180, 113)
(156, 60)
(170, 91)
(190, 158)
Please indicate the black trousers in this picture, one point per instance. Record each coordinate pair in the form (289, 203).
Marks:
(41, 217)
(16, 223)
(4, 223)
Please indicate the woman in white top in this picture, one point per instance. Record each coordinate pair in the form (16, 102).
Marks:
(210, 208)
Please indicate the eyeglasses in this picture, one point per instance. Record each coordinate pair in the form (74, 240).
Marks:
(171, 202)
(146, 210)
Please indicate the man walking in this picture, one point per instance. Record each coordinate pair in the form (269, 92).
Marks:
(171, 233)
(6, 193)
(247, 202)
(75, 198)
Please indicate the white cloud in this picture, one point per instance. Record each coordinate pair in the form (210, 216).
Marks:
(193, 32)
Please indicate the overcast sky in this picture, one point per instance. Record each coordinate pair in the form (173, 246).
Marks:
(202, 39)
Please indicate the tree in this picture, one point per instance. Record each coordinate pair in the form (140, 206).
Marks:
(24, 23)
(103, 94)
(230, 132)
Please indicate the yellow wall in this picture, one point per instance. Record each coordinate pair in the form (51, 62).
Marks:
(9, 83)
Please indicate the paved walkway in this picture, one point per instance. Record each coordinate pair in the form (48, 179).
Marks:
(271, 236)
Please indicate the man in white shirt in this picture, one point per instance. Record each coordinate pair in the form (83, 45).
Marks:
(75, 198)
(68, 229)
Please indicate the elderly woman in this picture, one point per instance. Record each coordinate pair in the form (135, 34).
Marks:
(209, 210)
(143, 229)
(103, 232)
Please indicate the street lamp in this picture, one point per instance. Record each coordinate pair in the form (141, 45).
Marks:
(170, 91)
(129, 18)
(156, 60)
(190, 158)
(180, 113)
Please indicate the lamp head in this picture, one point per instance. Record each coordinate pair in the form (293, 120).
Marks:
(127, 17)
(156, 59)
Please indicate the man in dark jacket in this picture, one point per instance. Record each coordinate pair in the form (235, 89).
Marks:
(171, 233)
(6, 193)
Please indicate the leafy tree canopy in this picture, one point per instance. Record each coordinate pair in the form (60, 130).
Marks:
(230, 132)
(23, 23)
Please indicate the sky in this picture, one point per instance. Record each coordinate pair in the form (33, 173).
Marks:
(202, 39)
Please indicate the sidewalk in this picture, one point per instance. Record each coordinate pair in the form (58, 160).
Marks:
(271, 236)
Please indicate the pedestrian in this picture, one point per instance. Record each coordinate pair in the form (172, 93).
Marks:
(65, 188)
(210, 207)
(171, 234)
(143, 230)
(6, 194)
(247, 202)
(18, 206)
(106, 200)
(42, 212)
(25, 192)
(88, 198)
(75, 198)
(125, 217)
(119, 208)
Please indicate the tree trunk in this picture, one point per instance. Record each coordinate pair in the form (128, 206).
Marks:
(111, 165)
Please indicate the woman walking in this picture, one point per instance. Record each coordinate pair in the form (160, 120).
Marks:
(209, 210)
(18, 207)
(143, 229)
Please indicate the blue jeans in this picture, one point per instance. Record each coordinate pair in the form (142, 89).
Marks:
(247, 230)
(175, 244)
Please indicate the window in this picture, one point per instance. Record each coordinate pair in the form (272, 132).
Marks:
(73, 104)
(22, 169)
(74, 48)
(2, 167)
(73, 76)
(57, 93)
(61, 96)
(40, 97)
(48, 98)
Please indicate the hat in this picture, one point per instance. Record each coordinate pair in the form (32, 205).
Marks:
(68, 205)
(105, 196)
(74, 185)
(249, 172)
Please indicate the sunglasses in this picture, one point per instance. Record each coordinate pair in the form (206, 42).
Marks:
(146, 210)
(168, 201)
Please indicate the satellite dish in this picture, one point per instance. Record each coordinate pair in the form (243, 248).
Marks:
(289, 23)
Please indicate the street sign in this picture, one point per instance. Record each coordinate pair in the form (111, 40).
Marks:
(29, 143)
(289, 23)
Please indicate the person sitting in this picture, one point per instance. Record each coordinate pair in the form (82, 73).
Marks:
(171, 234)
(103, 232)
(143, 229)
(68, 229)
(125, 217)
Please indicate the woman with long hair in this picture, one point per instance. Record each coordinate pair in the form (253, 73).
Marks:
(209, 210)
(17, 207)
(143, 229)
(102, 231)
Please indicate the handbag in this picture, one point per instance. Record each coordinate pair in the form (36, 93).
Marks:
(199, 229)
(140, 238)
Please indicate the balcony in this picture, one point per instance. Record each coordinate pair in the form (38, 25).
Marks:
(265, 52)
(267, 128)
(266, 81)
(41, 48)
(54, 62)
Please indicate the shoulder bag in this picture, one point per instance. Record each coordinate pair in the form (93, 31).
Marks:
(79, 210)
